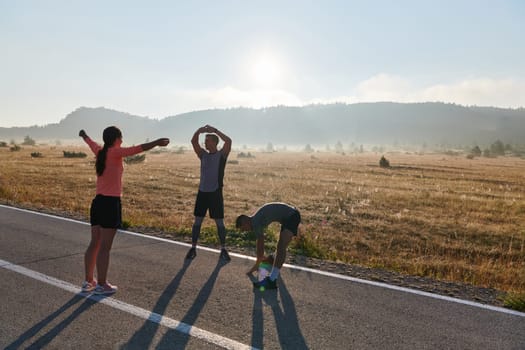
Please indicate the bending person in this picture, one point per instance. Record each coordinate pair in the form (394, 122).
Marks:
(289, 218)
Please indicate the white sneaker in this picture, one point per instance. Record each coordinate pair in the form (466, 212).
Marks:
(88, 287)
(105, 289)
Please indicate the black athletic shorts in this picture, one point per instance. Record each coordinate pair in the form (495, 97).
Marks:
(106, 211)
(292, 222)
(212, 201)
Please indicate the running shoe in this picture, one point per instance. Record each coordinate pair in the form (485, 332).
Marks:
(105, 289)
(88, 287)
(267, 283)
(192, 253)
(224, 255)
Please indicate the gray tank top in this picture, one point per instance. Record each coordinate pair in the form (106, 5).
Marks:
(212, 171)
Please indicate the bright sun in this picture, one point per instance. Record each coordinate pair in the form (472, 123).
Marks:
(266, 70)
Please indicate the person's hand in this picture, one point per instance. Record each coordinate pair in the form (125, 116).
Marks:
(163, 141)
(210, 128)
(253, 269)
(82, 133)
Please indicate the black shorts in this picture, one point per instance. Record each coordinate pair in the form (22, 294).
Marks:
(212, 201)
(106, 211)
(292, 222)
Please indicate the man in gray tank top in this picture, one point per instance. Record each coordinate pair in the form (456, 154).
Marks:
(209, 196)
(289, 218)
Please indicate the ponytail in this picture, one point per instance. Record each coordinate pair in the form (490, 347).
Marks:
(100, 164)
(110, 135)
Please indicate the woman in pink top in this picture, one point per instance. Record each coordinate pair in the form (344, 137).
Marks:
(106, 211)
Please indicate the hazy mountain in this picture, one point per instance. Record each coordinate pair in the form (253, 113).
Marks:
(361, 123)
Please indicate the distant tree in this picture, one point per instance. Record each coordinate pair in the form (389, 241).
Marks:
(269, 147)
(378, 149)
(3, 144)
(28, 141)
(486, 153)
(361, 149)
(384, 163)
(476, 151)
(339, 147)
(308, 148)
(497, 148)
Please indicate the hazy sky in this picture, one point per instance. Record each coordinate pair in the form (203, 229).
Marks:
(162, 58)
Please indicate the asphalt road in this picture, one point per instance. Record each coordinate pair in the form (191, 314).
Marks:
(164, 302)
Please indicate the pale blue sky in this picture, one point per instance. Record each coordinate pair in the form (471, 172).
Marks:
(162, 58)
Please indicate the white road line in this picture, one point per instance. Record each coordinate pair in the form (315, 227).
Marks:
(181, 327)
(306, 269)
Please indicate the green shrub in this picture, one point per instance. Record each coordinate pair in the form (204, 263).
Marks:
(126, 224)
(245, 155)
(515, 301)
(15, 148)
(306, 245)
(68, 154)
(137, 158)
(36, 155)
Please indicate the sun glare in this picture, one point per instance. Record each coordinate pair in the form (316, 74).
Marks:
(266, 70)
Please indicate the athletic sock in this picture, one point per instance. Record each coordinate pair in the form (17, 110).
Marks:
(275, 273)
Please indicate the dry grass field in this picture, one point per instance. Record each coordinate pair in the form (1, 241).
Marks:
(439, 216)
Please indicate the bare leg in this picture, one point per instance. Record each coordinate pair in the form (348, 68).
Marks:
(284, 240)
(106, 241)
(90, 257)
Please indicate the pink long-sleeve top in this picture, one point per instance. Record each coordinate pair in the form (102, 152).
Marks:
(110, 182)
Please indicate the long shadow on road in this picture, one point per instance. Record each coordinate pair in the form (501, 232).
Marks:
(46, 338)
(167, 341)
(285, 315)
(143, 338)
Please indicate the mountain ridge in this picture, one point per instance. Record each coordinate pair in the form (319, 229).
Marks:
(365, 123)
